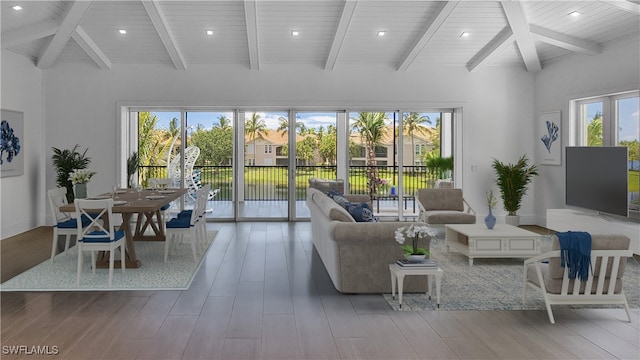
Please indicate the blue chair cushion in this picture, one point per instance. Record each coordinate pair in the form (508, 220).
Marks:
(72, 223)
(185, 213)
(361, 212)
(179, 223)
(165, 207)
(104, 238)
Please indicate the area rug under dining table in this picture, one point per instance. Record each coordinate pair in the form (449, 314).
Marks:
(154, 274)
(493, 284)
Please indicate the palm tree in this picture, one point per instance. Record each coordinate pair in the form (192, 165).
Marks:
(255, 126)
(413, 123)
(223, 122)
(284, 126)
(594, 131)
(371, 126)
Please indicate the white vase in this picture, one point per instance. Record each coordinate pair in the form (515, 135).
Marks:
(415, 258)
(512, 220)
(80, 191)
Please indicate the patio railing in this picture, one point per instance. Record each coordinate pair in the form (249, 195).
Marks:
(270, 183)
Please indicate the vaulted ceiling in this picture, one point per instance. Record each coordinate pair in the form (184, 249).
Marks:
(331, 33)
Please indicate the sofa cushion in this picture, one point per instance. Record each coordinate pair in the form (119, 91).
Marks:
(332, 210)
(325, 185)
(441, 199)
(361, 212)
(341, 200)
(447, 217)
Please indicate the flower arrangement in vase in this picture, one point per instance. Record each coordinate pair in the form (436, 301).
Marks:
(415, 233)
(79, 178)
(490, 219)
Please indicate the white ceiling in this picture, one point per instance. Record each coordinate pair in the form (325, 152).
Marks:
(257, 34)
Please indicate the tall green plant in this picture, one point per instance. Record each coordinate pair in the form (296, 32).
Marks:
(65, 161)
(133, 163)
(512, 180)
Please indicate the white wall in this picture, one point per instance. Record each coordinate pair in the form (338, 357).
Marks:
(616, 69)
(24, 197)
(497, 102)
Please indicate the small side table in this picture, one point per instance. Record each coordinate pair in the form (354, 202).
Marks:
(399, 272)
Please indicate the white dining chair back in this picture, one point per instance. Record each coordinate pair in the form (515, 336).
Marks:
(97, 236)
(186, 224)
(64, 223)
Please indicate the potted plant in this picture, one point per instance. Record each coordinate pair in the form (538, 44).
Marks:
(512, 180)
(413, 232)
(66, 162)
(133, 163)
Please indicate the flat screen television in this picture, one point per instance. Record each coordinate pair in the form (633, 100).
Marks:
(597, 179)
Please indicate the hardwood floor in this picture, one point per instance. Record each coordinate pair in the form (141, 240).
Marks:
(263, 293)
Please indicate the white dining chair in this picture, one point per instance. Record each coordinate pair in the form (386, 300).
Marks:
(187, 223)
(96, 237)
(65, 223)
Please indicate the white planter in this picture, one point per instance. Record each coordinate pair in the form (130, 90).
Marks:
(512, 220)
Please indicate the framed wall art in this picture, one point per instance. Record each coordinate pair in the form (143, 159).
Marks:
(549, 145)
(12, 143)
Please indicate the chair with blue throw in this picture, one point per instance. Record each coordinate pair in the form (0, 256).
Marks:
(574, 274)
(97, 237)
(65, 223)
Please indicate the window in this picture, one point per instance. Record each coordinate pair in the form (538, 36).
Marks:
(268, 149)
(613, 120)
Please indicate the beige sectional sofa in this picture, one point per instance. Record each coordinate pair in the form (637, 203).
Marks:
(357, 254)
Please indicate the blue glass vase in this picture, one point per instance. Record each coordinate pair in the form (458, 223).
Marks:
(490, 220)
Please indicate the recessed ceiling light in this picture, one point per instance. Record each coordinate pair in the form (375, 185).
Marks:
(382, 33)
(295, 32)
(575, 13)
(464, 34)
(122, 31)
(209, 32)
(16, 7)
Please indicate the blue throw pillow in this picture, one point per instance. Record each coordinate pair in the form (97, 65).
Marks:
(361, 212)
(332, 193)
(341, 200)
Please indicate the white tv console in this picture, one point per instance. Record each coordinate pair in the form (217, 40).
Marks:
(594, 223)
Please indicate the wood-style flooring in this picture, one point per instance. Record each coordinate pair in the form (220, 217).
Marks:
(263, 293)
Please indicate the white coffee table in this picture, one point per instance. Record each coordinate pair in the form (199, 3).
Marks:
(399, 272)
(503, 241)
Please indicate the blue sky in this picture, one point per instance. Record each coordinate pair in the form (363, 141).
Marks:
(310, 119)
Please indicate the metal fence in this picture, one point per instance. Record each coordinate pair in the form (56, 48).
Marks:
(270, 183)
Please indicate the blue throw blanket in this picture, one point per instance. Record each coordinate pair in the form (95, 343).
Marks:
(575, 253)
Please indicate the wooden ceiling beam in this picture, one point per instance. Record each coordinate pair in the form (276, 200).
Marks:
(627, 6)
(426, 35)
(90, 47)
(503, 40)
(565, 41)
(164, 31)
(520, 27)
(251, 20)
(28, 33)
(70, 22)
(341, 32)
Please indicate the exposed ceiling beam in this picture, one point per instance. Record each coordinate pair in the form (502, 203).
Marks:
(164, 31)
(624, 5)
(341, 32)
(90, 47)
(520, 27)
(251, 19)
(72, 18)
(427, 35)
(29, 33)
(565, 41)
(503, 40)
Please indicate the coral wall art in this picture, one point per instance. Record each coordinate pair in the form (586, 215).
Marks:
(12, 143)
(549, 144)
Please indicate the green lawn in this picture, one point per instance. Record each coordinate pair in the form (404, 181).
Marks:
(633, 181)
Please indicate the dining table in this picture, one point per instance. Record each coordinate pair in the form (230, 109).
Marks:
(147, 205)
